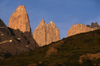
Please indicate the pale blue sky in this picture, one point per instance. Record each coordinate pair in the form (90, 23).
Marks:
(64, 13)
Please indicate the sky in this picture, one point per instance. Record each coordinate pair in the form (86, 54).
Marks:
(64, 13)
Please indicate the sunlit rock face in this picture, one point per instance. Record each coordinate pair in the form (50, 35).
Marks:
(45, 34)
(52, 33)
(40, 33)
(81, 28)
(19, 19)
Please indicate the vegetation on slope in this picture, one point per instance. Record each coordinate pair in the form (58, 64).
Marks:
(65, 52)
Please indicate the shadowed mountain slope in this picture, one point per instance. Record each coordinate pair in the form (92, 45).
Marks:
(14, 42)
(78, 50)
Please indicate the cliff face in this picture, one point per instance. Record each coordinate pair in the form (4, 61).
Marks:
(19, 19)
(81, 28)
(52, 33)
(40, 33)
(45, 34)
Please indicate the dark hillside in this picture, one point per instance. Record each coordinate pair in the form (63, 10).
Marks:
(78, 50)
(13, 42)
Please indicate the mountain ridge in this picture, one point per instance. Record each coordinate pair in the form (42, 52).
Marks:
(67, 51)
(81, 28)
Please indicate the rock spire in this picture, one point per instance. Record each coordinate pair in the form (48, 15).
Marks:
(19, 19)
(45, 34)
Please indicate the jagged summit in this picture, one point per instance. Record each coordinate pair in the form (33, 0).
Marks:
(42, 23)
(20, 20)
(80, 28)
(94, 25)
(21, 9)
(51, 23)
(45, 34)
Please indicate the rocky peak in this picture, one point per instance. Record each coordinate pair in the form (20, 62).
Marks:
(94, 25)
(42, 23)
(45, 34)
(51, 23)
(21, 8)
(19, 19)
(80, 28)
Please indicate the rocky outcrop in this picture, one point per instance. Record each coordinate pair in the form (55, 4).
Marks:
(19, 20)
(14, 42)
(45, 34)
(51, 51)
(3, 28)
(89, 56)
(94, 25)
(81, 28)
